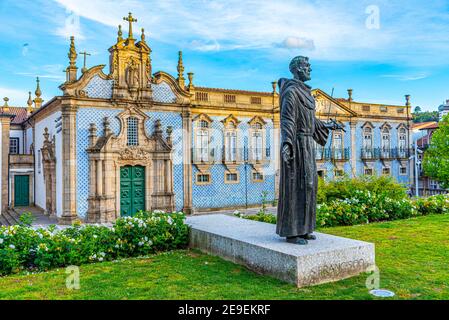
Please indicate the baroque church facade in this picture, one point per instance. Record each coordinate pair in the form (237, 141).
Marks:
(133, 139)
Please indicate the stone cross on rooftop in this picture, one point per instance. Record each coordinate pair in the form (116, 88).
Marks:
(130, 20)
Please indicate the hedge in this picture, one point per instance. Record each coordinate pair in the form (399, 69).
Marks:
(24, 248)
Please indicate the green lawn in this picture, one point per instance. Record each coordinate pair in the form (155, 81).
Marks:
(412, 256)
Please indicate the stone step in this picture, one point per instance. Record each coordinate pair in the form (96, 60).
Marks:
(3, 221)
(11, 217)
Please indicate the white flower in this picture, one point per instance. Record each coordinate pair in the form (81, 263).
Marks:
(141, 243)
(12, 246)
(1, 241)
(95, 236)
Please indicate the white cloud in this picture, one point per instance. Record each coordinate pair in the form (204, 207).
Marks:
(338, 28)
(298, 43)
(407, 77)
(52, 72)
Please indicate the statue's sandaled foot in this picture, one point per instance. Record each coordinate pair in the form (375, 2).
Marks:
(297, 240)
(308, 236)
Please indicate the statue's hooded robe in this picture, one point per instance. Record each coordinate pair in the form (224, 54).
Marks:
(299, 179)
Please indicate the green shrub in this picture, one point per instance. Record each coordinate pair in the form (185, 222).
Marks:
(24, 248)
(347, 202)
(345, 187)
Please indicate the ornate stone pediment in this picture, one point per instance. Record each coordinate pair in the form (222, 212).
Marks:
(328, 106)
(134, 154)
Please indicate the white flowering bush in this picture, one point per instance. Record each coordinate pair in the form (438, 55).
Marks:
(23, 248)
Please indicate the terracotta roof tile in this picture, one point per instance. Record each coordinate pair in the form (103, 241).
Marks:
(20, 114)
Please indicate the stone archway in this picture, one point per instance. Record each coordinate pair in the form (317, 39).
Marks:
(108, 154)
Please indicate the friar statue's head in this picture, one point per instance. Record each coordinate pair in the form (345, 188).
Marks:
(300, 68)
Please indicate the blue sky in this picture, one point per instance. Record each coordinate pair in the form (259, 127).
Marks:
(381, 49)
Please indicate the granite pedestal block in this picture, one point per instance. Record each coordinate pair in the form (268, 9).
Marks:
(256, 246)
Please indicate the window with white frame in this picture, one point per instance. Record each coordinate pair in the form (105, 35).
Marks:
(257, 142)
(231, 142)
(258, 176)
(402, 142)
(14, 145)
(232, 177)
(203, 178)
(433, 184)
(368, 171)
(403, 170)
(386, 142)
(386, 171)
(202, 141)
(337, 145)
(132, 131)
(368, 141)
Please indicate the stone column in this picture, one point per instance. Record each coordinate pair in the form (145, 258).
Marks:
(353, 126)
(69, 166)
(187, 161)
(5, 120)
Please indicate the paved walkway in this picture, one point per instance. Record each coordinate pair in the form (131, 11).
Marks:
(42, 220)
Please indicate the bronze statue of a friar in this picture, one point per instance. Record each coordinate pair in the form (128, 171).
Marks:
(300, 129)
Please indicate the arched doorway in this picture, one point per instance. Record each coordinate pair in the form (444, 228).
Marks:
(132, 190)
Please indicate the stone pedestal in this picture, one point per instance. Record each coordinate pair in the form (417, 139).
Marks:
(256, 246)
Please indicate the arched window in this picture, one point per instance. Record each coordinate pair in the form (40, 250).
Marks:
(386, 142)
(133, 131)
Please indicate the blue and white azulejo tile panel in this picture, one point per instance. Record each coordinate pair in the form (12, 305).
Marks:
(99, 88)
(163, 93)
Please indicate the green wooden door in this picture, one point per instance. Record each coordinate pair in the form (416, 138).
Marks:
(21, 191)
(132, 190)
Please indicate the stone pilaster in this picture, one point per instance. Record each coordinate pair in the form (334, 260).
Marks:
(69, 166)
(5, 120)
(353, 160)
(187, 161)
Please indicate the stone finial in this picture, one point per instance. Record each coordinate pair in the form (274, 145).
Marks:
(407, 100)
(38, 100)
(142, 37)
(158, 128)
(274, 84)
(181, 79)
(106, 126)
(190, 76)
(92, 134)
(350, 91)
(169, 135)
(5, 106)
(72, 69)
(72, 52)
(30, 103)
(119, 33)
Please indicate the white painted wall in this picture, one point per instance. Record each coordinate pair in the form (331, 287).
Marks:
(28, 140)
(0, 165)
(17, 134)
(49, 123)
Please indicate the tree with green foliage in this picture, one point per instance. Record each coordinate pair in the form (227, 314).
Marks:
(417, 109)
(436, 157)
(424, 116)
